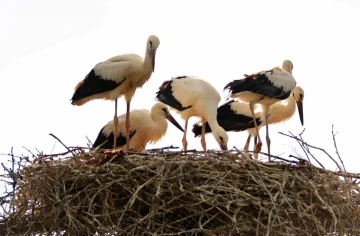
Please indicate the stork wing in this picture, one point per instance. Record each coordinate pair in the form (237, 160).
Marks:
(107, 142)
(104, 77)
(258, 83)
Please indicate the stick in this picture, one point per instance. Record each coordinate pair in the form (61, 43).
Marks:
(336, 148)
(61, 143)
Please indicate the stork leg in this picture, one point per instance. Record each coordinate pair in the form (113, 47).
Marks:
(255, 142)
(246, 148)
(267, 132)
(127, 125)
(116, 123)
(184, 137)
(203, 143)
(251, 104)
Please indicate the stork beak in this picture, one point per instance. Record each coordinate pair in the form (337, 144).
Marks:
(153, 54)
(223, 147)
(301, 114)
(170, 118)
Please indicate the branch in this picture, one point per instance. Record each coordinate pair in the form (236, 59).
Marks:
(306, 148)
(336, 148)
(314, 147)
(89, 143)
(61, 143)
(163, 148)
(277, 157)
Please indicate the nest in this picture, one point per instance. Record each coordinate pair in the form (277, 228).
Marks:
(170, 193)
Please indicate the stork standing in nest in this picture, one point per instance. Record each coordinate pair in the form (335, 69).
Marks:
(118, 76)
(146, 127)
(264, 88)
(236, 116)
(191, 96)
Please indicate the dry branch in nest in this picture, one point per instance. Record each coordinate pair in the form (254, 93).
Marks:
(169, 193)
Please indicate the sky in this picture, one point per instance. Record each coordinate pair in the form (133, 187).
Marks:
(47, 47)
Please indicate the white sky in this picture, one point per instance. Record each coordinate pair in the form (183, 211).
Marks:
(47, 47)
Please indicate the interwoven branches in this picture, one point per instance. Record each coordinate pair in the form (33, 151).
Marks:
(169, 193)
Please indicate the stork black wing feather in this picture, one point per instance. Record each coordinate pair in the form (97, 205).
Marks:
(165, 95)
(109, 144)
(93, 84)
(228, 120)
(258, 83)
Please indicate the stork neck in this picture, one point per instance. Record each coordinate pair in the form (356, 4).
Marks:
(160, 122)
(287, 69)
(147, 61)
(281, 112)
(214, 125)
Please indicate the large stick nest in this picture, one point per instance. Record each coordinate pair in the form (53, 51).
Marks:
(169, 193)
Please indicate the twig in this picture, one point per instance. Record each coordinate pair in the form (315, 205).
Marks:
(61, 143)
(314, 147)
(305, 150)
(336, 148)
(163, 148)
(29, 151)
(277, 157)
(89, 143)
(70, 150)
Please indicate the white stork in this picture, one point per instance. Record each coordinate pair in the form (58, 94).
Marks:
(115, 77)
(191, 96)
(236, 116)
(146, 127)
(264, 88)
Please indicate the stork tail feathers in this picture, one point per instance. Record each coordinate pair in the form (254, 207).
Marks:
(197, 129)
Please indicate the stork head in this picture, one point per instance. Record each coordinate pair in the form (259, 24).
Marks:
(221, 137)
(298, 94)
(152, 45)
(162, 109)
(287, 66)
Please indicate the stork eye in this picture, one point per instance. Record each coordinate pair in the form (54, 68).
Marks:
(150, 43)
(221, 139)
(164, 110)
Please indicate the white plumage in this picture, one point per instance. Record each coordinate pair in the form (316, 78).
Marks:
(146, 127)
(191, 96)
(236, 116)
(279, 112)
(264, 88)
(116, 77)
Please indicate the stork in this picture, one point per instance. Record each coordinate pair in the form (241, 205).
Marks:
(146, 127)
(191, 96)
(264, 88)
(236, 116)
(118, 76)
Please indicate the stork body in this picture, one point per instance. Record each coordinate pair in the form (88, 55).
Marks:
(191, 96)
(236, 116)
(118, 76)
(264, 88)
(146, 127)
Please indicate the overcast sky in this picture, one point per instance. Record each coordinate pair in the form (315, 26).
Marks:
(47, 47)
